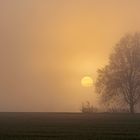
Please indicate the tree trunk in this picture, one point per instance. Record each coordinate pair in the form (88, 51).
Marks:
(132, 109)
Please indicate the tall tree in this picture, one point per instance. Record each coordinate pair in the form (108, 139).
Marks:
(121, 77)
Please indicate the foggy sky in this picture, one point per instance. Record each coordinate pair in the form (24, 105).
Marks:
(47, 46)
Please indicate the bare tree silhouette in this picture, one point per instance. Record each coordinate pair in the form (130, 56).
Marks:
(121, 77)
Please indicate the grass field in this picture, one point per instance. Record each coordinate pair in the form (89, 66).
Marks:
(69, 126)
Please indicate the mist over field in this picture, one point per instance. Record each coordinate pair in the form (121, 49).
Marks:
(69, 70)
(47, 47)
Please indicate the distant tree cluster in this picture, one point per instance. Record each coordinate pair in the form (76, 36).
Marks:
(120, 79)
(88, 108)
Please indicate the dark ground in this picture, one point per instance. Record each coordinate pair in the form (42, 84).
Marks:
(71, 126)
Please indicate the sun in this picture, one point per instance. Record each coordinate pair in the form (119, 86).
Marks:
(87, 81)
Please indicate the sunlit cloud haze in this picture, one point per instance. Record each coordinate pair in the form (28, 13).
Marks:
(47, 46)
